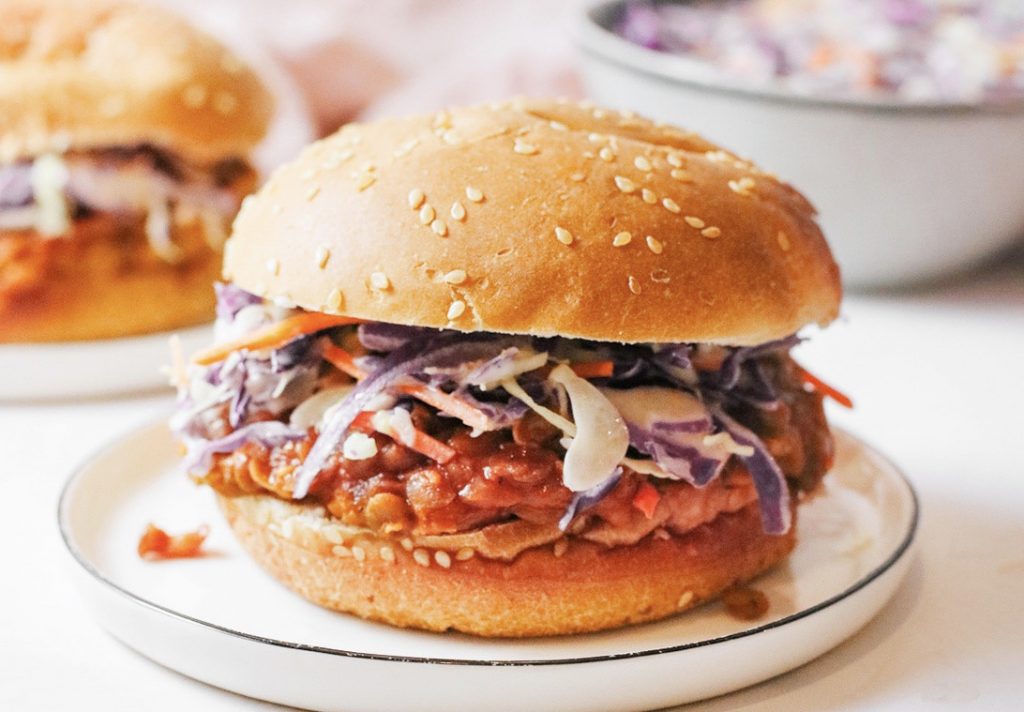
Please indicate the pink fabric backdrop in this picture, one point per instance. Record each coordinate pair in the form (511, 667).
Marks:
(368, 58)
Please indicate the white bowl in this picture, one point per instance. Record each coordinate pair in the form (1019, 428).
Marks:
(905, 191)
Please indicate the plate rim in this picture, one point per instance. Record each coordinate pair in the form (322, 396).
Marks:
(66, 538)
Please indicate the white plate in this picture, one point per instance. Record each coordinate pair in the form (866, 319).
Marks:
(79, 369)
(221, 620)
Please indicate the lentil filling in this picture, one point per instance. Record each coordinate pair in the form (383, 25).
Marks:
(516, 473)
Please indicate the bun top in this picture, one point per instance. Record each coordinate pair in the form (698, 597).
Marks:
(103, 73)
(542, 218)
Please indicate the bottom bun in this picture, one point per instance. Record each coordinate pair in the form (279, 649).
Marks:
(572, 586)
(103, 281)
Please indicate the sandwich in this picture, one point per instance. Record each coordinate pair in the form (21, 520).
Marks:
(514, 370)
(125, 138)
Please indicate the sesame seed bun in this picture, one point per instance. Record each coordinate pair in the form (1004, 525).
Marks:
(585, 587)
(542, 218)
(102, 281)
(105, 73)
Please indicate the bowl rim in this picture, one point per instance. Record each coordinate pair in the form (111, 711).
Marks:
(593, 37)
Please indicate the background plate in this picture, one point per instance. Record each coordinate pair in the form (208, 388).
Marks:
(221, 620)
(78, 369)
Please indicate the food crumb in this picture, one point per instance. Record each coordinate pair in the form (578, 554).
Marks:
(156, 545)
(745, 603)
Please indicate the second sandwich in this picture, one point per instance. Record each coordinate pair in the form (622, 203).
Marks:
(514, 370)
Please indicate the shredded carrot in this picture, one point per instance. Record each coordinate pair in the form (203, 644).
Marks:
(449, 404)
(421, 442)
(343, 361)
(646, 499)
(363, 422)
(273, 335)
(593, 369)
(431, 447)
(155, 543)
(821, 387)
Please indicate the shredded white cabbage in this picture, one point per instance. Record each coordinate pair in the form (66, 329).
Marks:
(601, 438)
(49, 177)
(563, 424)
(311, 411)
(507, 365)
(725, 441)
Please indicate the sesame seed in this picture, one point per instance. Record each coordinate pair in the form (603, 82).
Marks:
(595, 137)
(427, 215)
(340, 550)
(194, 96)
(634, 285)
(577, 177)
(671, 205)
(606, 154)
(563, 235)
(642, 163)
(406, 147)
(406, 544)
(561, 546)
(273, 266)
(387, 554)
(442, 119)
(711, 232)
(456, 276)
(783, 240)
(464, 554)
(416, 198)
(334, 300)
(421, 557)
(694, 222)
(716, 156)
(332, 535)
(622, 239)
(451, 136)
(474, 194)
(660, 276)
(358, 553)
(648, 196)
(457, 309)
(680, 175)
(443, 559)
(225, 103)
(458, 212)
(588, 154)
(440, 227)
(674, 160)
(655, 245)
(558, 126)
(625, 184)
(365, 181)
(600, 113)
(743, 186)
(527, 149)
(685, 599)
(312, 192)
(379, 280)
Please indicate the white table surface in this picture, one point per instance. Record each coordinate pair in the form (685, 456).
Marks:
(938, 377)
